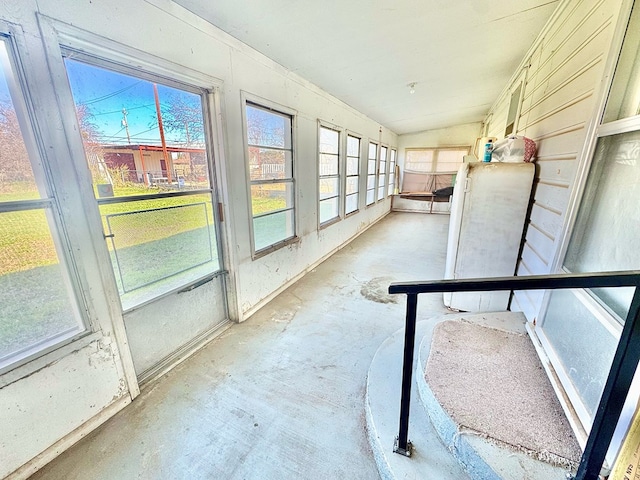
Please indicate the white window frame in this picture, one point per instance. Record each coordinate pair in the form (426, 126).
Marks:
(357, 176)
(24, 362)
(259, 102)
(372, 173)
(340, 177)
(382, 175)
(393, 161)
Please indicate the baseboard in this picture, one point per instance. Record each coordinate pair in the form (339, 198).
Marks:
(66, 442)
(245, 315)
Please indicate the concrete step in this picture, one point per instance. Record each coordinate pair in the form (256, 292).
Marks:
(444, 449)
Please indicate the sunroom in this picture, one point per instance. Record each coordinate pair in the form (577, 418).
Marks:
(170, 171)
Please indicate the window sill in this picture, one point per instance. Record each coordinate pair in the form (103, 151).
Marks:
(274, 247)
(15, 373)
(328, 223)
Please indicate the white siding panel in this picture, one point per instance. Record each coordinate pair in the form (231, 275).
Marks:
(533, 261)
(566, 143)
(543, 243)
(546, 220)
(558, 169)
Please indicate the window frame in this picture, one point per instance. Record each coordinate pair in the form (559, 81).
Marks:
(382, 175)
(143, 70)
(434, 162)
(393, 154)
(21, 363)
(340, 176)
(374, 174)
(259, 102)
(357, 176)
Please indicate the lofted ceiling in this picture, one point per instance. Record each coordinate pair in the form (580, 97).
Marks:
(459, 53)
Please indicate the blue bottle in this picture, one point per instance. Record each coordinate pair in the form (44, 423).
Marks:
(488, 149)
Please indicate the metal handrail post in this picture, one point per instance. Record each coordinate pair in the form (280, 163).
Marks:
(402, 444)
(623, 368)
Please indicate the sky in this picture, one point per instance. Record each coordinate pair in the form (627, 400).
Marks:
(105, 93)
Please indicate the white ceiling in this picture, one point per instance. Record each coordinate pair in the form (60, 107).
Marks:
(460, 53)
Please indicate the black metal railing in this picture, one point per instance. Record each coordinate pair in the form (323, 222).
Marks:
(618, 382)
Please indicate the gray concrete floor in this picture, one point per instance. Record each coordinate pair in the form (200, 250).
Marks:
(280, 396)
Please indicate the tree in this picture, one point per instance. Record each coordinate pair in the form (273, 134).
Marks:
(182, 114)
(15, 167)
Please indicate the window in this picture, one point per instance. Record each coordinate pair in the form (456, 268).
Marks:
(328, 174)
(514, 106)
(353, 175)
(371, 173)
(270, 157)
(382, 171)
(392, 172)
(38, 310)
(434, 160)
(146, 149)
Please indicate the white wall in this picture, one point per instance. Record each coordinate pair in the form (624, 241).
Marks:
(44, 402)
(564, 74)
(460, 135)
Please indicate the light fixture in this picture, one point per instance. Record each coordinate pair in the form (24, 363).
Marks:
(412, 88)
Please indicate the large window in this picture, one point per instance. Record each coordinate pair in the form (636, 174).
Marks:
(146, 149)
(329, 174)
(382, 171)
(392, 172)
(38, 310)
(353, 175)
(270, 157)
(434, 160)
(372, 158)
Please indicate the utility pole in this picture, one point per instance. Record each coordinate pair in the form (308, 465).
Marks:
(125, 124)
(161, 128)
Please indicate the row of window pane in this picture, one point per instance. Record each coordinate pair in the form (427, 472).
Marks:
(371, 173)
(392, 173)
(329, 174)
(38, 308)
(382, 169)
(270, 149)
(353, 175)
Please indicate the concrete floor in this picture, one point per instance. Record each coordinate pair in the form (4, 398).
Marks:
(280, 396)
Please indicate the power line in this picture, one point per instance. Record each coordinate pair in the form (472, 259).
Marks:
(109, 95)
(120, 111)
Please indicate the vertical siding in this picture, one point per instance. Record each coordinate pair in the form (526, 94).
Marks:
(565, 70)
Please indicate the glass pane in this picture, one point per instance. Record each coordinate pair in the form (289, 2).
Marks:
(450, 160)
(586, 362)
(624, 100)
(328, 209)
(383, 168)
(393, 156)
(134, 147)
(392, 180)
(16, 176)
(269, 164)
(35, 305)
(380, 192)
(329, 141)
(373, 150)
(371, 182)
(266, 128)
(271, 229)
(383, 154)
(159, 245)
(329, 187)
(371, 196)
(352, 166)
(353, 146)
(608, 223)
(270, 197)
(351, 204)
(419, 160)
(328, 164)
(371, 167)
(352, 185)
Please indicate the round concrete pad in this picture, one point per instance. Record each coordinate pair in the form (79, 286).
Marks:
(491, 381)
